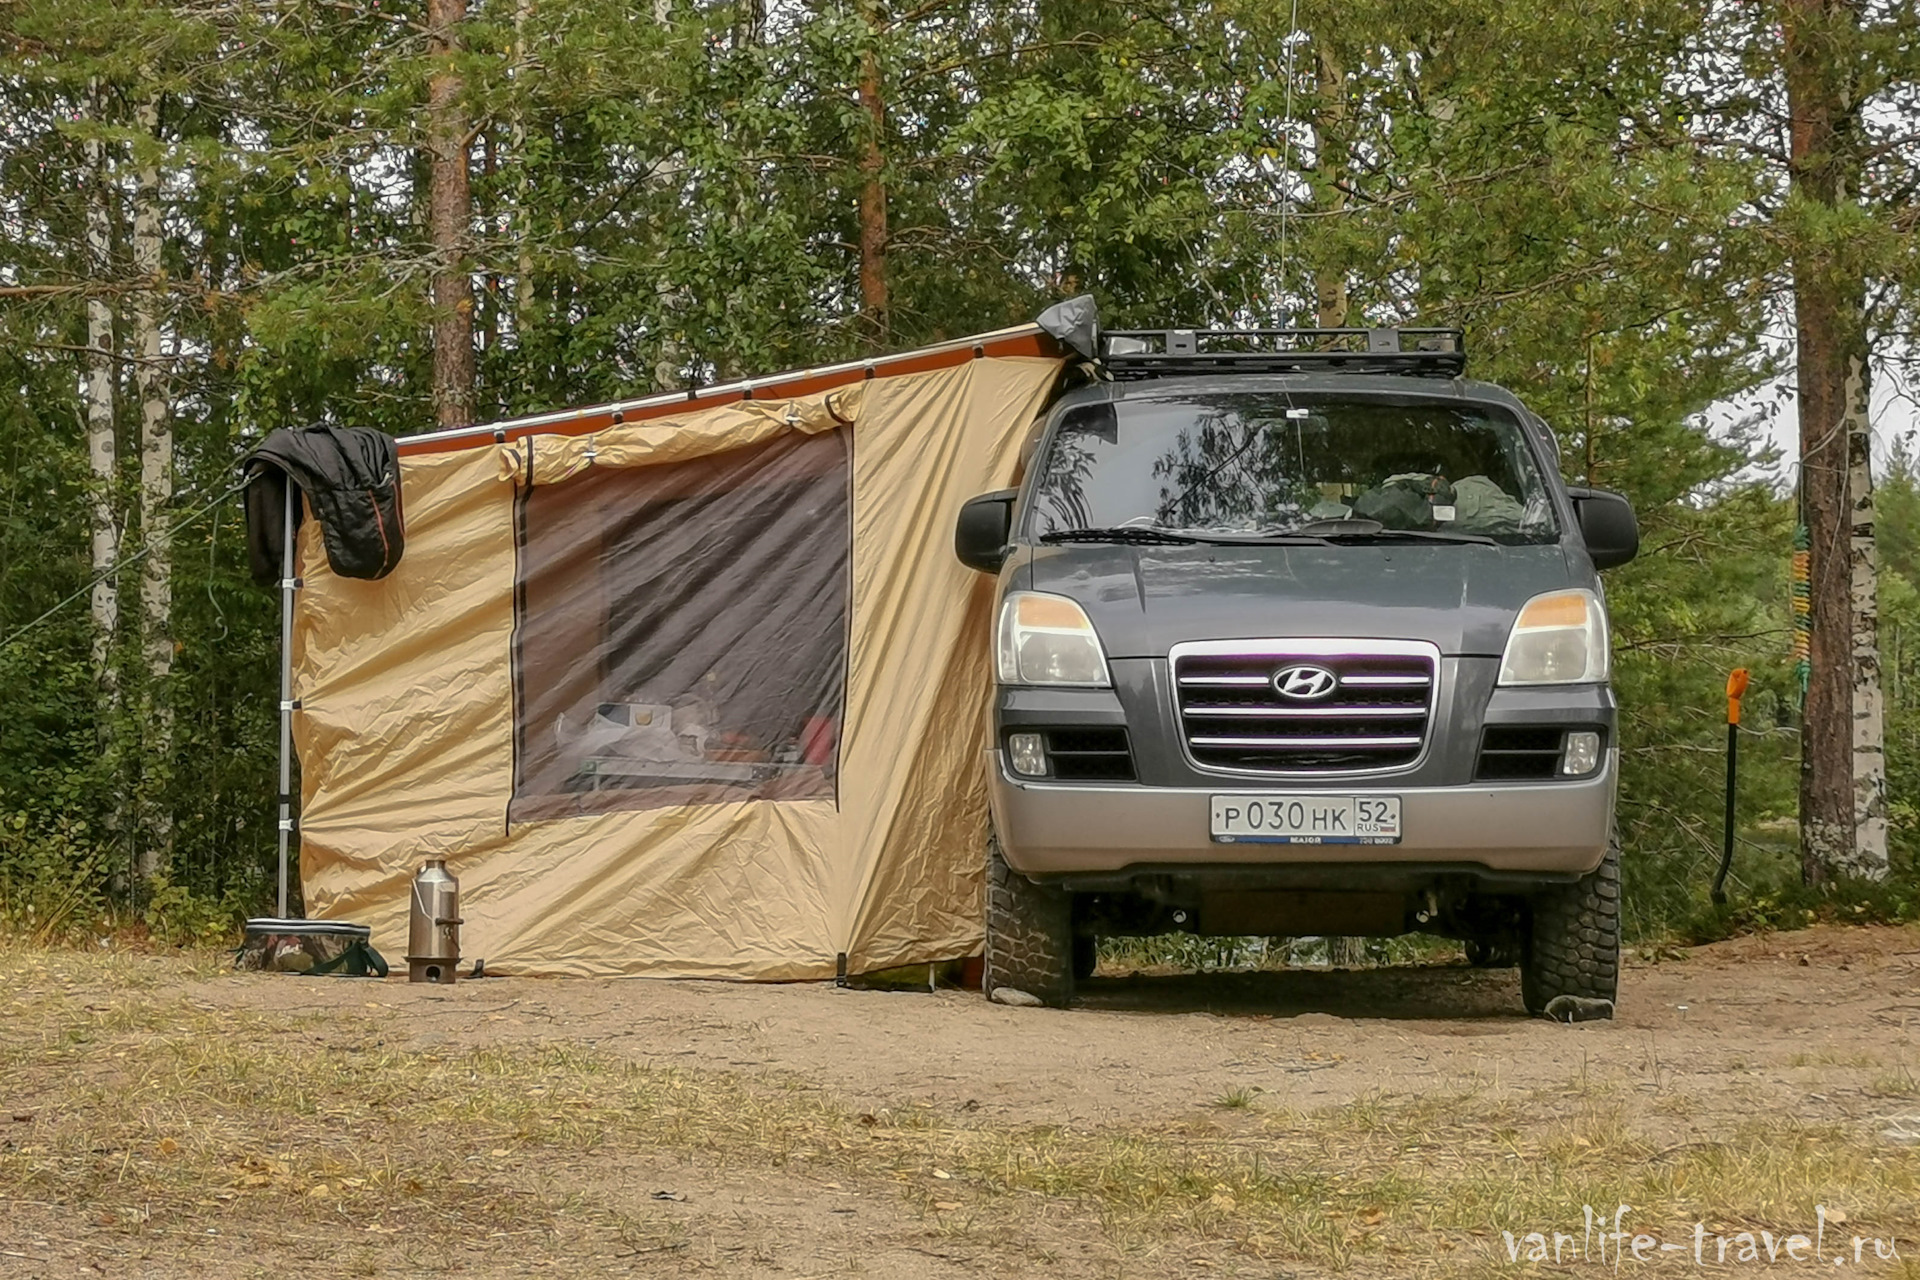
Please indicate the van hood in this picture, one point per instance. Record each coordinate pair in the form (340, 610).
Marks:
(1145, 599)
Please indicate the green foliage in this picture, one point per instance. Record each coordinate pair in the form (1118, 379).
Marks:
(663, 196)
(1226, 954)
(1797, 906)
(1709, 594)
(179, 917)
(50, 879)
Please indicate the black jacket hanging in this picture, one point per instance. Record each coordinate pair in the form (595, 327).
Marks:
(351, 476)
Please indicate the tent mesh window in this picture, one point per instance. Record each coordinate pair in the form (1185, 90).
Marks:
(681, 631)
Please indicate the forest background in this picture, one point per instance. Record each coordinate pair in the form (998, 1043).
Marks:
(219, 217)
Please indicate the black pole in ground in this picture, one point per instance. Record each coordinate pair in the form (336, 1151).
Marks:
(1736, 688)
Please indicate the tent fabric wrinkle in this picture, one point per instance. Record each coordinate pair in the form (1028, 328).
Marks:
(699, 696)
(554, 459)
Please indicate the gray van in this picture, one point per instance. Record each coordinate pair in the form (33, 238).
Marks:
(1300, 634)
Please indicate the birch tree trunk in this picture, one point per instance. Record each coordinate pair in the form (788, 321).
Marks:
(671, 356)
(523, 211)
(1346, 953)
(156, 492)
(1842, 774)
(1869, 718)
(102, 447)
(874, 301)
(449, 207)
(749, 22)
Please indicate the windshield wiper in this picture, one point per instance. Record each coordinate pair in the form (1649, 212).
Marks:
(1414, 535)
(1316, 535)
(1122, 534)
(1160, 534)
(1252, 538)
(1374, 531)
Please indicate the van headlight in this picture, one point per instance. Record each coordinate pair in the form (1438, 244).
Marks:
(1559, 638)
(1047, 639)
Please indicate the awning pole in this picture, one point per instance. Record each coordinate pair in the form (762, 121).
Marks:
(287, 587)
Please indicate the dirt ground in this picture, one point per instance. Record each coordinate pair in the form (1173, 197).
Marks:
(161, 1117)
(1777, 1014)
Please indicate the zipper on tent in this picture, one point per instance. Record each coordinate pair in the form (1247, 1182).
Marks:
(846, 638)
(515, 661)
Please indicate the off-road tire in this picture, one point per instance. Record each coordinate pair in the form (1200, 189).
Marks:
(1030, 941)
(1572, 943)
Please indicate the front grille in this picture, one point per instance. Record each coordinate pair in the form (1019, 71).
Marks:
(1373, 718)
(1089, 755)
(1512, 752)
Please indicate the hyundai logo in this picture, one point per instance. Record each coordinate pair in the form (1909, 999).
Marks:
(1304, 683)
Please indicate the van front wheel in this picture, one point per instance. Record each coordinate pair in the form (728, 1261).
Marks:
(1572, 945)
(1030, 943)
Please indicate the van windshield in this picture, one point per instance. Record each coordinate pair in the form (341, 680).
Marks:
(1270, 463)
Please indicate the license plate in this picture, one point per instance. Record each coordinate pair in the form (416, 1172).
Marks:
(1306, 819)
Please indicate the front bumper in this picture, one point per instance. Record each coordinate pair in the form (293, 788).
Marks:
(1067, 829)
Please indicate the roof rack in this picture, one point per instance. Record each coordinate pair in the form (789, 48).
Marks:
(1159, 353)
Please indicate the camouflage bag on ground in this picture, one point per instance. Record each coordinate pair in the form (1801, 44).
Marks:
(313, 947)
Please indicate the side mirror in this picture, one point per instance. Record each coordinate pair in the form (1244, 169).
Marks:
(1607, 523)
(985, 524)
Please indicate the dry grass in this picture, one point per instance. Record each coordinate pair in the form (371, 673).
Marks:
(149, 1111)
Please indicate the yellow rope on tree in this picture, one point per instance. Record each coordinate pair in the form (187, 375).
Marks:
(1801, 579)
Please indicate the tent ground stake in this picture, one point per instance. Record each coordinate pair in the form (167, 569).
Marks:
(840, 970)
(287, 587)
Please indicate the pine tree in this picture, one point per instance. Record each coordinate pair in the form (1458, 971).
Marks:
(449, 211)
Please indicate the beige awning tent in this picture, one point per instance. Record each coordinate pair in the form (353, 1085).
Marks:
(687, 687)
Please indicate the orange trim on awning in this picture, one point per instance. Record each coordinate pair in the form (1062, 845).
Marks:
(804, 382)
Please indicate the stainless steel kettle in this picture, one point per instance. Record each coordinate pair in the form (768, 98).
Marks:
(433, 925)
